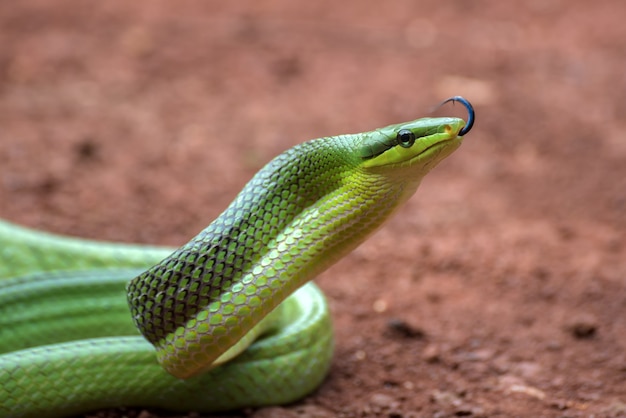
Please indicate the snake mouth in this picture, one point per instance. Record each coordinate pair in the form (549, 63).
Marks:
(450, 136)
(432, 151)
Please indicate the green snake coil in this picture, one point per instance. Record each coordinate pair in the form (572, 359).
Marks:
(223, 299)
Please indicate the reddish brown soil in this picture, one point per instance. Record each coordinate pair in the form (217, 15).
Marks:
(499, 290)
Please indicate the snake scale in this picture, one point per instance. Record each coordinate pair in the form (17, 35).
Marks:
(232, 314)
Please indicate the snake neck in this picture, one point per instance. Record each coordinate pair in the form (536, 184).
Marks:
(301, 213)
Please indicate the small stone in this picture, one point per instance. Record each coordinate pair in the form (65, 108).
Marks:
(431, 353)
(87, 150)
(583, 327)
(383, 401)
(380, 305)
(403, 329)
(513, 384)
(445, 398)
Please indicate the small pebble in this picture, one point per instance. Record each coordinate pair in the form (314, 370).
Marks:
(383, 401)
(431, 353)
(380, 305)
(360, 355)
(583, 327)
(403, 329)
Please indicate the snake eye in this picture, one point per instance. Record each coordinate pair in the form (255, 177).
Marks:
(406, 138)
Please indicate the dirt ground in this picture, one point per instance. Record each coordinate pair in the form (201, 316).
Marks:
(499, 290)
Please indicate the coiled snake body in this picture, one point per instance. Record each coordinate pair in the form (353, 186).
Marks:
(70, 344)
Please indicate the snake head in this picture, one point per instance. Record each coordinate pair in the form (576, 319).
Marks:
(418, 145)
(422, 142)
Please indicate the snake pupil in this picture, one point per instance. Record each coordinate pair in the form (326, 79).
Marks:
(406, 138)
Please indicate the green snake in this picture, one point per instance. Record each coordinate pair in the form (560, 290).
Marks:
(232, 314)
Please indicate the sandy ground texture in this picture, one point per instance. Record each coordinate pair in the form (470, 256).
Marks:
(499, 290)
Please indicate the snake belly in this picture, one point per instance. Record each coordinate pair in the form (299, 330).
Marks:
(69, 345)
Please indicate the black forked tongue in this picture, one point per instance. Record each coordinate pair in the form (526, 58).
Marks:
(470, 110)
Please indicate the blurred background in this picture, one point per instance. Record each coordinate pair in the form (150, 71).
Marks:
(499, 290)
